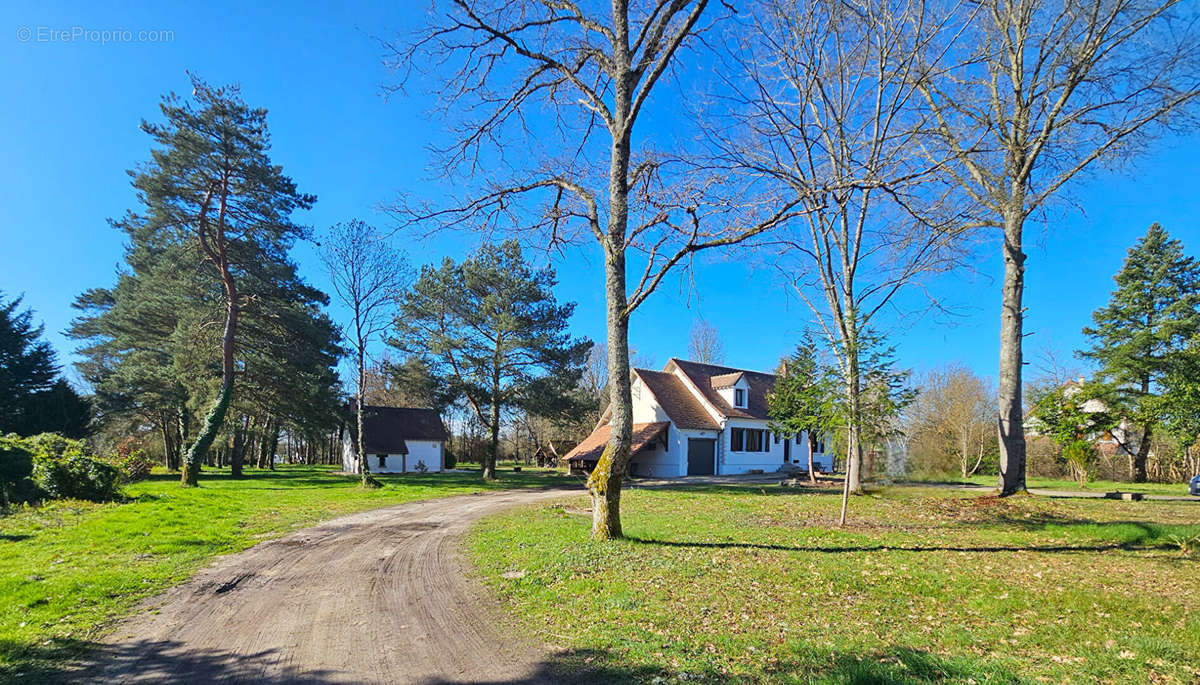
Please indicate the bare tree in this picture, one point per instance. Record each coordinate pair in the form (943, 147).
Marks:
(704, 343)
(956, 405)
(566, 83)
(827, 116)
(1029, 94)
(368, 275)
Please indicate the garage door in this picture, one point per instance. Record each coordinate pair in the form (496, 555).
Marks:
(702, 456)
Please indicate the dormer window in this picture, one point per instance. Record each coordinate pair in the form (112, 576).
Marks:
(739, 397)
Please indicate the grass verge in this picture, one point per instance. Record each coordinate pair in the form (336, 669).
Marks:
(757, 585)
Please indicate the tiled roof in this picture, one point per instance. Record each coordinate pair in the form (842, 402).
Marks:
(677, 400)
(704, 377)
(593, 445)
(388, 427)
(727, 380)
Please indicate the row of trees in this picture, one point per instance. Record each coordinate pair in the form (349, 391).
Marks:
(865, 140)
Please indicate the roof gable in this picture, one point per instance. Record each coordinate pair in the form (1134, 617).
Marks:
(677, 400)
(707, 378)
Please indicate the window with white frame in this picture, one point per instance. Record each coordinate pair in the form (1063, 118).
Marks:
(739, 397)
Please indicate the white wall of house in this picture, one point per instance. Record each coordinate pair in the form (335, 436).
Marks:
(730, 396)
(731, 462)
(646, 408)
(429, 451)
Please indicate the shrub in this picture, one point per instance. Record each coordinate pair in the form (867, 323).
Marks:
(64, 468)
(421, 467)
(448, 460)
(16, 470)
(134, 463)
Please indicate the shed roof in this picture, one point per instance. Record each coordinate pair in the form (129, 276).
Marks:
(592, 447)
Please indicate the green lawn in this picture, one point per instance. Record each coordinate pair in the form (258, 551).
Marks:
(1092, 486)
(68, 568)
(927, 585)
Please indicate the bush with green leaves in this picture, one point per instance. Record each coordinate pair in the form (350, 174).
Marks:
(65, 468)
(16, 471)
(449, 461)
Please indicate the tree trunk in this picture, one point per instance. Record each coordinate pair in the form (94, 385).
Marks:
(1010, 423)
(1137, 471)
(170, 448)
(237, 454)
(853, 397)
(361, 447)
(812, 471)
(216, 415)
(489, 466)
(604, 483)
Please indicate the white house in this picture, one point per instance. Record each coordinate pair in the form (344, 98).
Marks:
(398, 440)
(701, 419)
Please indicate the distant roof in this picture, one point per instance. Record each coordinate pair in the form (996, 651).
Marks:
(677, 401)
(387, 428)
(708, 378)
(593, 445)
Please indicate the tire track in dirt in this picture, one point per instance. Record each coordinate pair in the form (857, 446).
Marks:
(374, 597)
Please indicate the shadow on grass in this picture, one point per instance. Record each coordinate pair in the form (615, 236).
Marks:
(146, 662)
(835, 549)
(762, 489)
(171, 661)
(899, 665)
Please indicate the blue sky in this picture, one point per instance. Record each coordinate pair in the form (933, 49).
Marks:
(69, 131)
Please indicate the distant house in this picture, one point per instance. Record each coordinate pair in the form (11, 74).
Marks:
(398, 440)
(700, 419)
(1122, 441)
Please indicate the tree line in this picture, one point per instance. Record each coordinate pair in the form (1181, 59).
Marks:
(870, 143)
(212, 341)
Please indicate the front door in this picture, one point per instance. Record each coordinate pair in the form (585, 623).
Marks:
(702, 456)
(787, 449)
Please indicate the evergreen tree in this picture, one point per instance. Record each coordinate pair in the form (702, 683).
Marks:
(32, 399)
(211, 183)
(492, 329)
(157, 346)
(1180, 402)
(1071, 416)
(805, 397)
(26, 364)
(1139, 338)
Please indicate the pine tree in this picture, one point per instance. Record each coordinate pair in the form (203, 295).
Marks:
(492, 329)
(26, 364)
(211, 182)
(1139, 338)
(32, 399)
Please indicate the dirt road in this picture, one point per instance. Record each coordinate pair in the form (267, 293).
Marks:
(375, 597)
